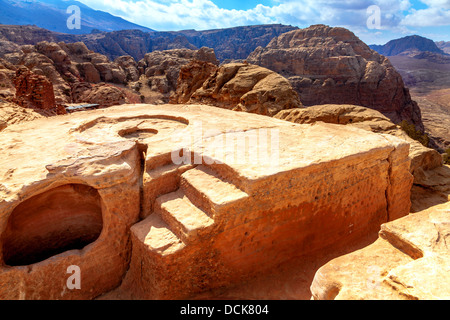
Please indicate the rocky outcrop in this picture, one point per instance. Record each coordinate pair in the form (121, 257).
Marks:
(205, 223)
(160, 70)
(332, 66)
(11, 113)
(191, 78)
(33, 91)
(8, 47)
(409, 261)
(22, 35)
(235, 86)
(77, 215)
(421, 157)
(73, 65)
(44, 66)
(135, 43)
(102, 94)
(91, 64)
(235, 43)
(129, 66)
(7, 75)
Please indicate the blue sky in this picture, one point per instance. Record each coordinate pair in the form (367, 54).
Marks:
(398, 18)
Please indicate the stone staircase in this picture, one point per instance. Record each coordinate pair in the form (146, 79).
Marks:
(192, 212)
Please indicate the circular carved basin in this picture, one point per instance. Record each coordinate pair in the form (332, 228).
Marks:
(137, 133)
(64, 218)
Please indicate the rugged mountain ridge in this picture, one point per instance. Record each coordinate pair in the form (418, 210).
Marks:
(235, 43)
(230, 43)
(332, 66)
(425, 68)
(52, 15)
(406, 44)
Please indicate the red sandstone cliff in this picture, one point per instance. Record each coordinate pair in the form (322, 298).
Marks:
(332, 65)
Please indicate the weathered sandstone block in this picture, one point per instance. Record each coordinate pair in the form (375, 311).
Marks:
(33, 90)
(256, 192)
(235, 86)
(61, 206)
(221, 223)
(410, 260)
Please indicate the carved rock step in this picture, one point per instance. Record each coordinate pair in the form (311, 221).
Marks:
(209, 192)
(157, 236)
(186, 220)
(160, 181)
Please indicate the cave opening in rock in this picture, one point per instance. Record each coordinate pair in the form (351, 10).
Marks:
(64, 218)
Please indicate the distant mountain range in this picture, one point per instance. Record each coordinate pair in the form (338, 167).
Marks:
(114, 36)
(52, 15)
(444, 46)
(408, 44)
(228, 44)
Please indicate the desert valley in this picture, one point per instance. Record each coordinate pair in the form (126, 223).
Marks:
(256, 162)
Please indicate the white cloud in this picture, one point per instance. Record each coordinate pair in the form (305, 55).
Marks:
(440, 4)
(204, 14)
(437, 14)
(427, 18)
(181, 14)
(398, 17)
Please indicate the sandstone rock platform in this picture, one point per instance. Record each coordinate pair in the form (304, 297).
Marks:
(422, 158)
(409, 261)
(256, 192)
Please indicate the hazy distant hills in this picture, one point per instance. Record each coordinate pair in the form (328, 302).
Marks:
(425, 68)
(444, 46)
(52, 15)
(410, 43)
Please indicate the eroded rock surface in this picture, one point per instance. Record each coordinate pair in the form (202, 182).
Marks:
(410, 260)
(331, 65)
(33, 91)
(67, 65)
(102, 94)
(235, 86)
(431, 188)
(194, 225)
(371, 120)
(160, 70)
(7, 75)
(11, 113)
